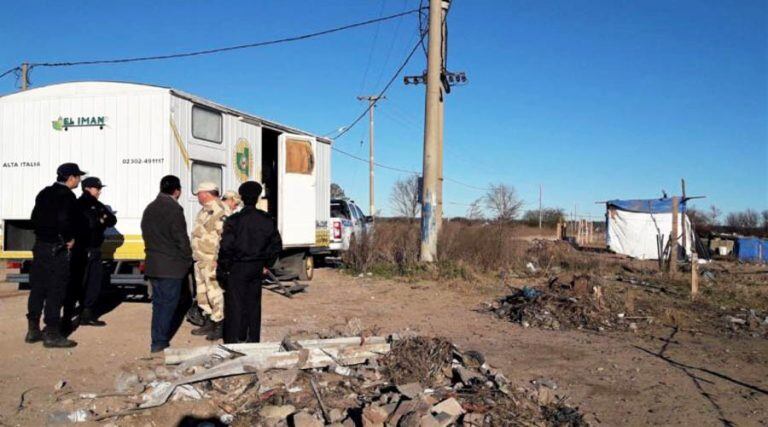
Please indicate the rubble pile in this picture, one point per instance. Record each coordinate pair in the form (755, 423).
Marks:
(577, 304)
(747, 322)
(420, 382)
(415, 381)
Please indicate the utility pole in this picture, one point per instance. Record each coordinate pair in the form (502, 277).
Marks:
(24, 76)
(441, 114)
(429, 212)
(539, 206)
(372, 99)
(439, 82)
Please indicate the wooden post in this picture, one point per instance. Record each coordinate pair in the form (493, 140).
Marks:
(694, 276)
(673, 236)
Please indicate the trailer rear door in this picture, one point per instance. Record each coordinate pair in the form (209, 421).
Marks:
(296, 193)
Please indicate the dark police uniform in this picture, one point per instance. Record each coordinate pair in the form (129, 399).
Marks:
(87, 269)
(250, 241)
(53, 217)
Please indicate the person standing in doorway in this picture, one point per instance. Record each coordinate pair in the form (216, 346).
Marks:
(206, 235)
(250, 242)
(54, 220)
(168, 257)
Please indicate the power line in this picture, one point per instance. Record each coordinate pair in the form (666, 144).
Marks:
(383, 91)
(225, 49)
(375, 163)
(373, 48)
(9, 71)
(465, 184)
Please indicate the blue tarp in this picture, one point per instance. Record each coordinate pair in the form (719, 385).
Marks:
(751, 249)
(645, 206)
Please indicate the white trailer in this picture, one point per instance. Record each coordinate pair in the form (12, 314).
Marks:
(131, 135)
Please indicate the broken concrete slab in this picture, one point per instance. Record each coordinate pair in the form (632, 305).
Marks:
(450, 406)
(374, 415)
(305, 419)
(279, 412)
(411, 390)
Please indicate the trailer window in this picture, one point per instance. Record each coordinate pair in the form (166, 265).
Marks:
(299, 157)
(205, 172)
(206, 124)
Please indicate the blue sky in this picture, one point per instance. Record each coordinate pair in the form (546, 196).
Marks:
(593, 99)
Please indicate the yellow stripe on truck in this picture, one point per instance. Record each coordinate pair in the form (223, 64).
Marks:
(120, 248)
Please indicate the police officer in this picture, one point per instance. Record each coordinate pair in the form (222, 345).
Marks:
(54, 220)
(206, 235)
(249, 242)
(87, 269)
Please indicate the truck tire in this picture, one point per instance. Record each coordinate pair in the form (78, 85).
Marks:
(307, 267)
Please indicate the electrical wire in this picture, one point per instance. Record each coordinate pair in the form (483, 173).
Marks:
(10, 71)
(373, 48)
(383, 166)
(381, 94)
(455, 181)
(225, 49)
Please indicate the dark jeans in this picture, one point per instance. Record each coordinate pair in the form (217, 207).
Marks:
(48, 282)
(165, 300)
(242, 303)
(86, 279)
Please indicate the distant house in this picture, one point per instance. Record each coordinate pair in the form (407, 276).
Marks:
(642, 228)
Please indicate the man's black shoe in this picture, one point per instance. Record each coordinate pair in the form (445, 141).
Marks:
(205, 329)
(34, 334)
(88, 319)
(158, 349)
(54, 339)
(217, 332)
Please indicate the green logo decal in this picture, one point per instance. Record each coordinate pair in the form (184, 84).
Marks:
(64, 123)
(243, 160)
(58, 124)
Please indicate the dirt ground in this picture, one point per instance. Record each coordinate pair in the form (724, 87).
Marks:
(615, 378)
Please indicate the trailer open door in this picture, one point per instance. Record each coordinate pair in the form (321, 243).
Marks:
(296, 193)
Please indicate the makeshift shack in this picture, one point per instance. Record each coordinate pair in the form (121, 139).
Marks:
(642, 228)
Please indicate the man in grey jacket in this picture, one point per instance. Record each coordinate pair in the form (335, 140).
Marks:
(168, 257)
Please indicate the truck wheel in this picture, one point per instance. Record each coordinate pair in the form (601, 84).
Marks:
(306, 267)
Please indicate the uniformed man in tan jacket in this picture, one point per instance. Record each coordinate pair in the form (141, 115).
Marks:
(206, 235)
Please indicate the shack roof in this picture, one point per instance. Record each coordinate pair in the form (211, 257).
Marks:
(646, 205)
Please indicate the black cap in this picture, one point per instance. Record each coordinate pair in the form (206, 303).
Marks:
(92, 182)
(250, 192)
(69, 169)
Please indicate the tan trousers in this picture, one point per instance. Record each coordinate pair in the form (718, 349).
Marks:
(210, 296)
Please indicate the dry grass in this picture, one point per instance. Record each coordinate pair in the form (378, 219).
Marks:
(466, 251)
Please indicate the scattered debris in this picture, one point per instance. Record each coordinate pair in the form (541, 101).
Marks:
(750, 322)
(415, 381)
(578, 304)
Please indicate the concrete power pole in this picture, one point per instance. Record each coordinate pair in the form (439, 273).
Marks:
(429, 210)
(372, 99)
(441, 115)
(24, 76)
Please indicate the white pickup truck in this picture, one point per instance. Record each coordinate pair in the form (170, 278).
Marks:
(347, 221)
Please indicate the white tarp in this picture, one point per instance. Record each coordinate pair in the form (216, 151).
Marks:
(635, 233)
